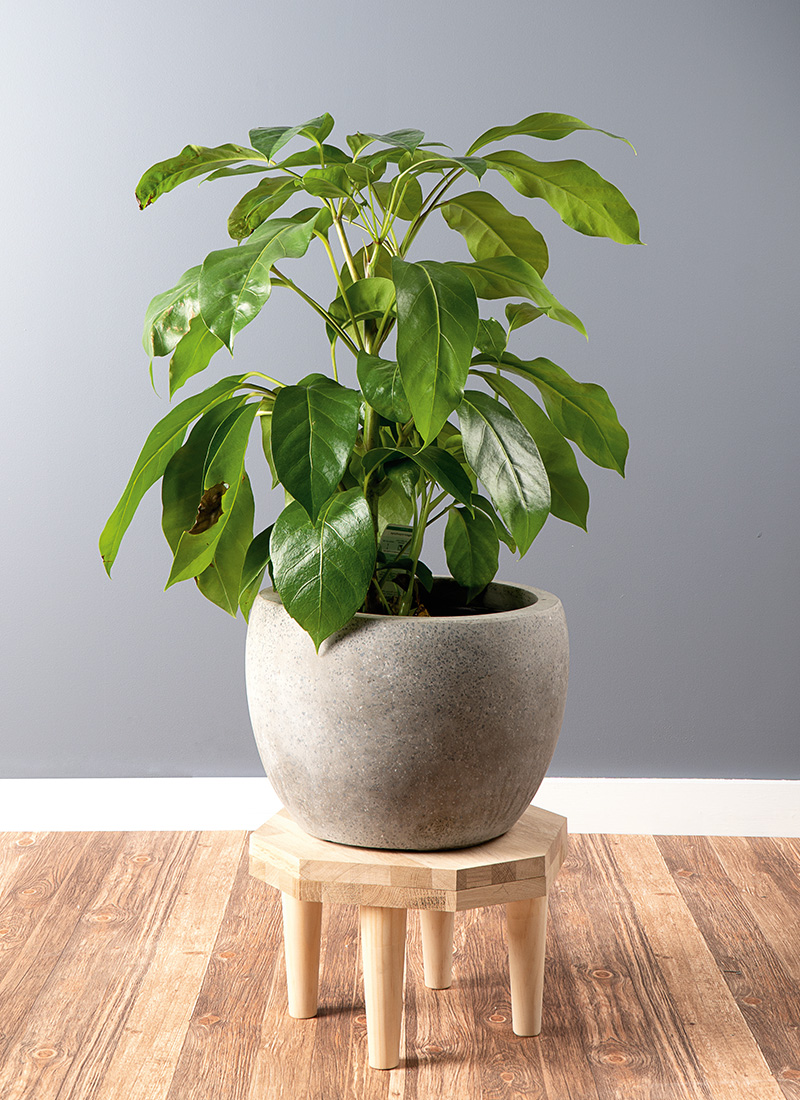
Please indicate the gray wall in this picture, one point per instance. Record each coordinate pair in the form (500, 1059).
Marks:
(682, 598)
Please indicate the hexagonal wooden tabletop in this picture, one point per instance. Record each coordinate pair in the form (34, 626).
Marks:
(521, 864)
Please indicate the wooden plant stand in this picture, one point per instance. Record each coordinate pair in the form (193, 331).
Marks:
(516, 870)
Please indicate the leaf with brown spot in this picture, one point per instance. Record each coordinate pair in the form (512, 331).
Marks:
(210, 508)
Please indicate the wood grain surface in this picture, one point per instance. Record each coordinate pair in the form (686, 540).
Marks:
(150, 967)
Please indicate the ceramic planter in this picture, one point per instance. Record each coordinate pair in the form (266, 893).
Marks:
(410, 733)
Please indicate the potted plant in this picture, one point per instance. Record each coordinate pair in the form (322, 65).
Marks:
(373, 724)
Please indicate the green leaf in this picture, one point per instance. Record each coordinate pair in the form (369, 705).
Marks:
(408, 202)
(255, 564)
(545, 125)
(403, 139)
(490, 230)
(508, 276)
(314, 431)
(471, 548)
(437, 322)
(580, 196)
(382, 387)
(482, 504)
(170, 314)
(521, 313)
(569, 493)
(367, 298)
(327, 183)
(476, 166)
(182, 482)
(223, 479)
(382, 269)
(265, 418)
(160, 445)
(192, 354)
(506, 459)
(220, 581)
(268, 140)
(259, 204)
(491, 339)
(235, 282)
(331, 155)
(323, 571)
(193, 160)
(436, 462)
(582, 411)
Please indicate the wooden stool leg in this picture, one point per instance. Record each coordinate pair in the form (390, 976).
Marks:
(437, 948)
(383, 951)
(302, 922)
(526, 924)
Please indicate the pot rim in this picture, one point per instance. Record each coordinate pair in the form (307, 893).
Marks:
(542, 602)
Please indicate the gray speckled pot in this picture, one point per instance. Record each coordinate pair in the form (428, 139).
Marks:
(410, 733)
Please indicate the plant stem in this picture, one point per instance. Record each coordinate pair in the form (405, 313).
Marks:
(284, 281)
(348, 255)
(416, 550)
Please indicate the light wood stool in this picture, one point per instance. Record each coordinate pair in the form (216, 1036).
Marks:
(516, 869)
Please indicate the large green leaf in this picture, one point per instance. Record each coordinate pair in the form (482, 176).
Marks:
(235, 282)
(323, 571)
(582, 411)
(580, 196)
(568, 491)
(509, 276)
(160, 445)
(269, 139)
(223, 480)
(507, 461)
(220, 581)
(314, 431)
(192, 353)
(182, 482)
(545, 125)
(259, 204)
(255, 565)
(491, 230)
(170, 313)
(193, 160)
(382, 387)
(471, 547)
(436, 462)
(437, 321)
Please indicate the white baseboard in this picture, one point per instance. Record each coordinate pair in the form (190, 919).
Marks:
(675, 807)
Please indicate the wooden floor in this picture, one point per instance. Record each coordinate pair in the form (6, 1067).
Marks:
(148, 966)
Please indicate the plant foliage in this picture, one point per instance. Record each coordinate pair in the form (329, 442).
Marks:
(402, 435)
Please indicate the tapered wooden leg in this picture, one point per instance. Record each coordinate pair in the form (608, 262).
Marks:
(383, 951)
(302, 922)
(437, 948)
(527, 925)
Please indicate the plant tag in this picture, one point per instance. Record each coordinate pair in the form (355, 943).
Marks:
(395, 540)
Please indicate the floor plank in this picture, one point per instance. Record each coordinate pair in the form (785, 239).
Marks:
(71, 1031)
(224, 1032)
(151, 1039)
(41, 901)
(766, 994)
